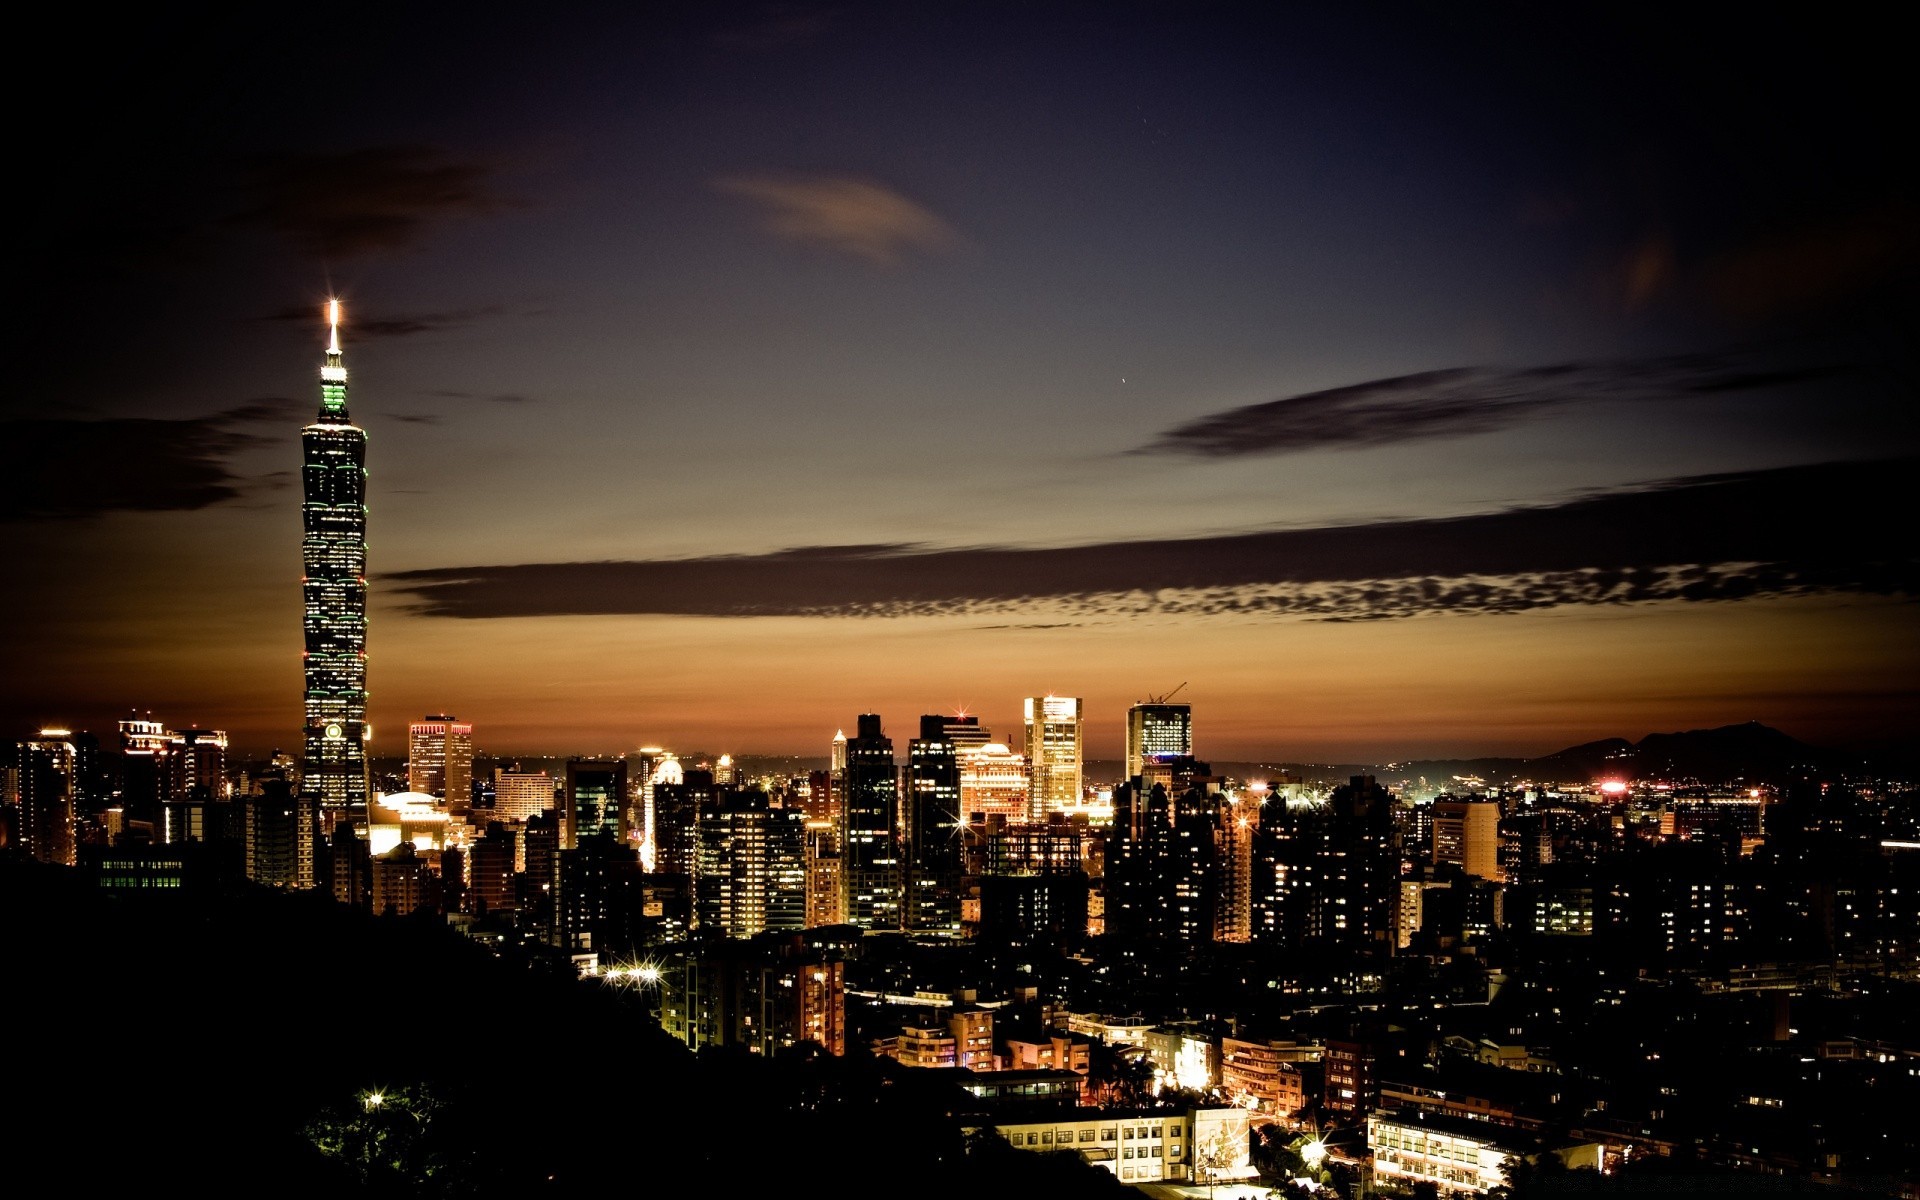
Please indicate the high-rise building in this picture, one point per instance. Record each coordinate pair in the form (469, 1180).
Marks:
(750, 866)
(196, 785)
(677, 807)
(595, 790)
(1467, 833)
(440, 758)
(933, 850)
(966, 732)
(46, 789)
(869, 839)
(647, 768)
(144, 746)
(334, 556)
(993, 785)
(1157, 730)
(1053, 755)
(518, 795)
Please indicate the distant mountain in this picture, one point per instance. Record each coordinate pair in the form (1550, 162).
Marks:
(1749, 752)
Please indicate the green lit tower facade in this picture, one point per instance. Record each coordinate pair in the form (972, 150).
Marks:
(334, 553)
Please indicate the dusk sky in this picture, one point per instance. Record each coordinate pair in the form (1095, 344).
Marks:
(1403, 380)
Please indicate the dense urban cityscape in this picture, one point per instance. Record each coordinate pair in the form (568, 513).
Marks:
(1101, 598)
(1697, 952)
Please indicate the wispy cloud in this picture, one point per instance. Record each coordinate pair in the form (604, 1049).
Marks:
(852, 216)
(1778, 532)
(76, 468)
(1461, 401)
(337, 205)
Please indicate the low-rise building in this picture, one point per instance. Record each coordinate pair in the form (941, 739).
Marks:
(1204, 1145)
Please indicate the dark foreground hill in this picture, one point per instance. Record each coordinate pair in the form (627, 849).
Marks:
(226, 1043)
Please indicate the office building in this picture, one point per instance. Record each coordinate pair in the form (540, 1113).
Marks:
(45, 786)
(869, 840)
(933, 849)
(1157, 730)
(440, 759)
(1466, 833)
(144, 746)
(750, 871)
(647, 768)
(518, 795)
(993, 785)
(334, 584)
(592, 796)
(1053, 755)
(677, 807)
(196, 805)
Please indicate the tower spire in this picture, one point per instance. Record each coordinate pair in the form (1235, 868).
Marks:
(333, 375)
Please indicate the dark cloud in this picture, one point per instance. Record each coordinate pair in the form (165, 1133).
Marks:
(1778, 532)
(1460, 401)
(362, 201)
(76, 468)
(413, 418)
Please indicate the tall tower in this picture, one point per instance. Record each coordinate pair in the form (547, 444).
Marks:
(334, 553)
(1053, 754)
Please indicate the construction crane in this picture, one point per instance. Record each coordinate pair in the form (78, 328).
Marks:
(1170, 695)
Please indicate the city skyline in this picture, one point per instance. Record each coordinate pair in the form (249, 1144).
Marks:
(1399, 384)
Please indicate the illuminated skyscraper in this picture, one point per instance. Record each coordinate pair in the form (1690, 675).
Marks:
(1053, 754)
(440, 758)
(595, 790)
(1157, 730)
(46, 787)
(334, 553)
(932, 849)
(993, 784)
(870, 841)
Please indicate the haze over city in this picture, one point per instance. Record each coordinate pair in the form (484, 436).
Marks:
(1398, 381)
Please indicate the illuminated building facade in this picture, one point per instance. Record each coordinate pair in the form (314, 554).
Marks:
(440, 758)
(518, 795)
(647, 769)
(826, 894)
(869, 841)
(334, 556)
(1053, 754)
(1158, 731)
(993, 783)
(144, 746)
(595, 791)
(750, 868)
(933, 847)
(196, 787)
(45, 786)
(764, 994)
(1467, 834)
